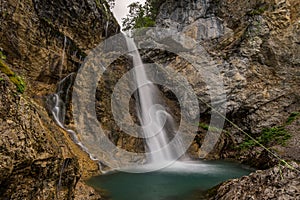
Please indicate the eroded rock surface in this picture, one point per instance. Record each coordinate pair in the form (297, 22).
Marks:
(38, 159)
(46, 40)
(41, 43)
(276, 183)
(256, 50)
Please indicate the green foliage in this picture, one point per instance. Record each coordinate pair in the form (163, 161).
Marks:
(208, 127)
(1, 79)
(277, 135)
(17, 80)
(5, 69)
(292, 117)
(204, 126)
(141, 15)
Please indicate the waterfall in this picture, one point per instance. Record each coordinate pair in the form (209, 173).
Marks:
(152, 116)
(56, 104)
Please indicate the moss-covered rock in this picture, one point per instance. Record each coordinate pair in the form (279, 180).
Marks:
(17, 80)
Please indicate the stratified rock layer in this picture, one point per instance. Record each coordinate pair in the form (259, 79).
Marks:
(256, 47)
(256, 50)
(38, 160)
(44, 41)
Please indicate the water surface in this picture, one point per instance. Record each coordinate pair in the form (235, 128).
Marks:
(180, 181)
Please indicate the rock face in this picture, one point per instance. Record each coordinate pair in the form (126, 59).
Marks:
(255, 48)
(276, 183)
(41, 43)
(46, 40)
(37, 159)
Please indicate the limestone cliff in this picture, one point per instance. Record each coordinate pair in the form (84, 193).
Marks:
(38, 159)
(41, 43)
(46, 40)
(256, 48)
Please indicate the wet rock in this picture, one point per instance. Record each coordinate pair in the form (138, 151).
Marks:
(83, 192)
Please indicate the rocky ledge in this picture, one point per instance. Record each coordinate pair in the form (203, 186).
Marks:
(280, 182)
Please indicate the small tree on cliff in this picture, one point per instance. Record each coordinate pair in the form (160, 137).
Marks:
(141, 15)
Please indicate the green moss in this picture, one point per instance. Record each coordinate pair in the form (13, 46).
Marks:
(208, 127)
(204, 126)
(292, 117)
(274, 135)
(17, 80)
(5, 69)
(98, 4)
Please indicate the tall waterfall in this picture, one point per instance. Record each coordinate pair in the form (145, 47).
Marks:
(152, 116)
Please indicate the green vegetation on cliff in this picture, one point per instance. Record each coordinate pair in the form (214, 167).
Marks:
(273, 135)
(17, 80)
(2, 56)
(293, 116)
(141, 15)
(268, 136)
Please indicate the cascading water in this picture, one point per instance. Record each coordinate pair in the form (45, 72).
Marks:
(152, 116)
(56, 105)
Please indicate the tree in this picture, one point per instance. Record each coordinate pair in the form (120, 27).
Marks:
(141, 15)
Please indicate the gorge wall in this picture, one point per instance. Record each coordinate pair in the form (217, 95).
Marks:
(256, 48)
(41, 43)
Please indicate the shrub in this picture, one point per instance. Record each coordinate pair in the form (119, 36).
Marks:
(274, 135)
